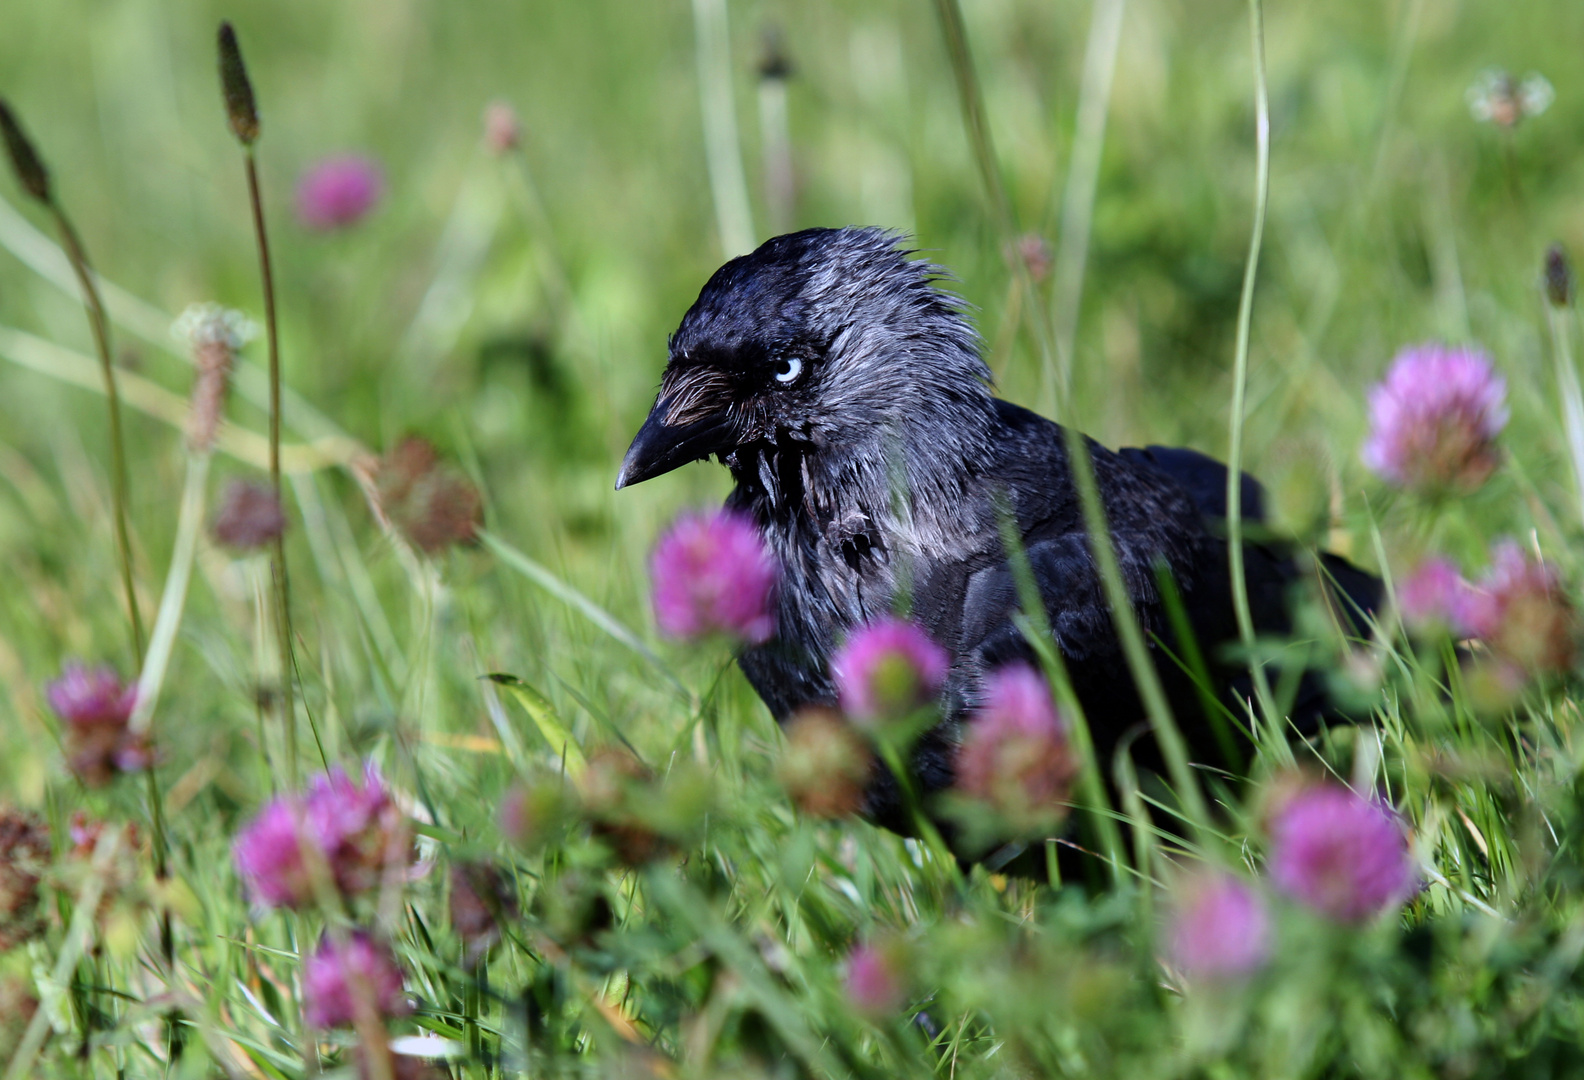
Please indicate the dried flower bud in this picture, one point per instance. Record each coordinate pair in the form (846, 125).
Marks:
(613, 788)
(825, 766)
(1035, 253)
(425, 502)
(17, 1006)
(250, 517)
(24, 854)
(241, 112)
(502, 129)
(481, 898)
(774, 63)
(1558, 277)
(1519, 609)
(30, 170)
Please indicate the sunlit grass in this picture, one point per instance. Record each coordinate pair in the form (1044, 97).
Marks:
(512, 308)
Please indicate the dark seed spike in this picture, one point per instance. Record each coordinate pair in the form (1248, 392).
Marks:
(240, 108)
(29, 167)
(1558, 277)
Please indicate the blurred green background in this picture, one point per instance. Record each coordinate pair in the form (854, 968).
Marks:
(525, 335)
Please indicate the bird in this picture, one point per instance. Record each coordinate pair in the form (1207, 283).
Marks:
(841, 382)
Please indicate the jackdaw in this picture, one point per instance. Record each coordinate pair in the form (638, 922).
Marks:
(845, 391)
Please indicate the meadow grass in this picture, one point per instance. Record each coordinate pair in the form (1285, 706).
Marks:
(511, 306)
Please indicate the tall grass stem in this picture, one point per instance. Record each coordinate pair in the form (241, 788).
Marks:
(278, 573)
(85, 914)
(775, 152)
(1134, 648)
(971, 99)
(1083, 177)
(1240, 596)
(1036, 629)
(119, 484)
(722, 145)
(1572, 395)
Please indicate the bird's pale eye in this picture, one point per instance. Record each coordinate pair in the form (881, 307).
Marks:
(787, 369)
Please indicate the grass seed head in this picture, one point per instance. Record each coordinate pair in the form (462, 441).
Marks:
(237, 89)
(25, 161)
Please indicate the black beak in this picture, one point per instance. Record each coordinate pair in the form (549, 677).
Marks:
(660, 447)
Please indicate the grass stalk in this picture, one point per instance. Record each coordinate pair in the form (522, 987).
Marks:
(84, 917)
(775, 139)
(1083, 177)
(1134, 648)
(971, 99)
(1240, 597)
(151, 678)
(595, 614)
(722, 146)
(1571, 393)
(1035, 625)
(119, 484)
(278, 573)
(36, 181)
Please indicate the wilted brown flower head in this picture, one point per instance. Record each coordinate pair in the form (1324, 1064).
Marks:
(250, 517)
(613, 789)
(426, 502)
(214, 334)
(24, 854)
(502, 129)
(481, 898)
(17, 1006)
(1034, 251)
(1522, 612)
(825, 766)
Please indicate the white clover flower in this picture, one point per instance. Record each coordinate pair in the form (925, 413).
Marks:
(1501, 98)
(212, 324)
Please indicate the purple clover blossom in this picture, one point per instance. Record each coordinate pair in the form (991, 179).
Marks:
(97, 708)
(874, 984)
(713, 575)
(1219, 928)
(1341, 854)
(1435, 598)
(1015, 756)
(887, 669)
(355, 828)
(1435, 418)
(338, 191)
(334, 977)
(91, 697)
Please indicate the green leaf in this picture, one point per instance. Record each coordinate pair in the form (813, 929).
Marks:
(543, 714)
